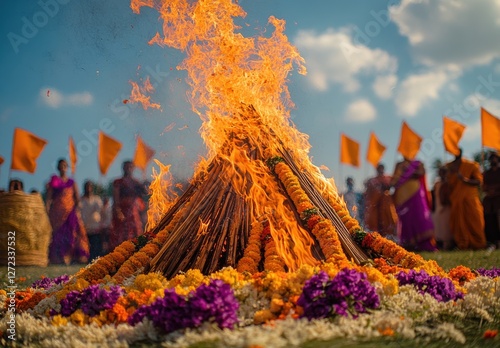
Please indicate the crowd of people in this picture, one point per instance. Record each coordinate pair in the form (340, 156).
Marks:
(461, 211)
(88, 226)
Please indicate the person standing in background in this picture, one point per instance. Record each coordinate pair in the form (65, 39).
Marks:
(106, 223)
(379, 213)
(69, 238)
(441, 211)
(352, 199)
(491, 200)
(126, 221)
(466, 216)
(91, 206)
(413, 206)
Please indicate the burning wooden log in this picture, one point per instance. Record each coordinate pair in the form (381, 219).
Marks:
(218, 211)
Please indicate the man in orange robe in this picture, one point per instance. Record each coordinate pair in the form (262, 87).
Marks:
(466, 216)
(380, 213)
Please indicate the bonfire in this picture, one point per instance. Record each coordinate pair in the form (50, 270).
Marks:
(260, 239)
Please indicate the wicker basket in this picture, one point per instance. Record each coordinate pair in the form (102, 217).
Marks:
(25, 215)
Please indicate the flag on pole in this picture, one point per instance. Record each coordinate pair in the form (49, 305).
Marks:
(375, 150)
(26, 147)
(1, 160)
(490, 130)
(409, 143)
(72, 155)
(452, 133)
(108, 149)
(143, 154)
(349, 151)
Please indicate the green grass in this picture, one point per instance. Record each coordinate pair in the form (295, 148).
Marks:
(472, 259)
(26, 275)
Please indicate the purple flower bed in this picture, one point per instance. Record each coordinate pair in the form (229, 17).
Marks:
(442, 289)
(47, 283)
(491, 273)
(214, 302)
(91, 300)
(348, 293)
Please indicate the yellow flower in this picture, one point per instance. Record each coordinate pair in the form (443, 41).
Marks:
(230, 276)
(153, 281)
(59, 320)
(276, 305)
(194, 277)
(78, 318)
(260, 317)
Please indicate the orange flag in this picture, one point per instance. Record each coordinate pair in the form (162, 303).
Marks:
(349, 151)
(108, 149)
(72, 155)
(1, 160)
(452, 133)
(26, 147)
(409, 144)
(143, 154)
(490, 126)
(375, 150)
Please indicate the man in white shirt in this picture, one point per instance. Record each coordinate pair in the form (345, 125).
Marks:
(91, 207)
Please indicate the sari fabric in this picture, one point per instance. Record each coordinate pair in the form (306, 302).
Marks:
(467, 220)
(412, 207)
(69, 238)
(380, 214)
(129, 203)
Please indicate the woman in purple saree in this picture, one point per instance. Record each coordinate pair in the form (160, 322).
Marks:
(412, 206)
(69, 239)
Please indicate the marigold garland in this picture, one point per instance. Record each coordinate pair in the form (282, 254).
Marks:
(397, 254)
(272, 260)
(252, 254)
(321, 228)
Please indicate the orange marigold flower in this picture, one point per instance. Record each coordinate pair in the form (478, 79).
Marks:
(120, 313)
(386, 331)
(313, 220)
(150, 249)
(253, 247)
(128, 246)
(304, 206)
(142, 257)
(461, 274)
(117, 258)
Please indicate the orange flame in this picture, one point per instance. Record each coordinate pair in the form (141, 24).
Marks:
(238, 89)
(137, 95)
(162, 194)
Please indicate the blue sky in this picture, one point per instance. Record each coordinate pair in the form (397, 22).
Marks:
(371, 64)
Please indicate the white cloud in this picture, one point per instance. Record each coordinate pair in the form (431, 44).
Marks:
(383, 86)
(418, 89)
(333, 58)
(450, 33)
(54, 98)
(473, 131)
(361, 111)
(493, 106)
